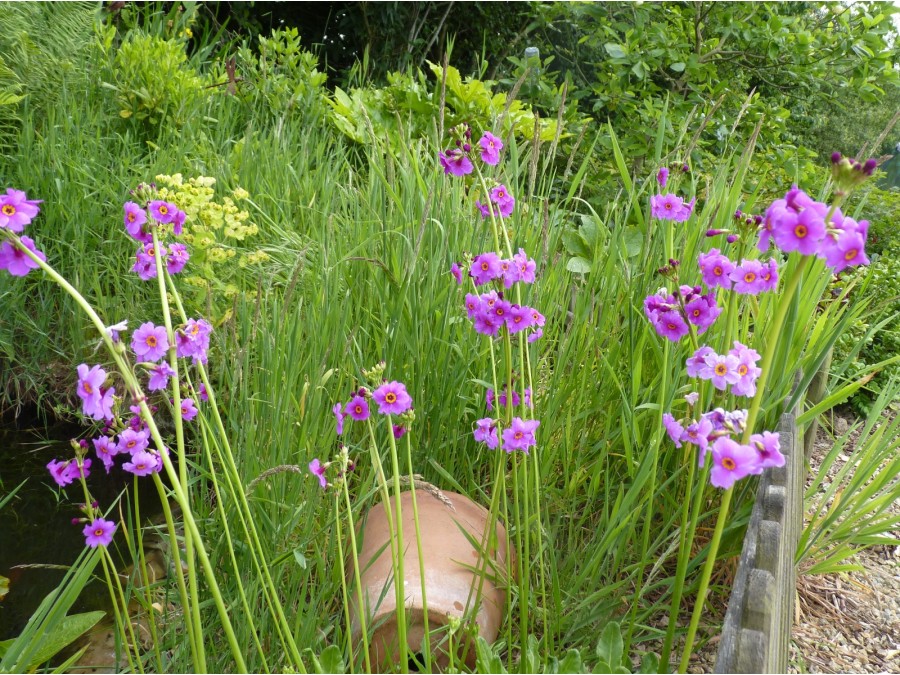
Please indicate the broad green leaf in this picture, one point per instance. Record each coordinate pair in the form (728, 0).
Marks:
(70, 629)
(332, 660)
(610, 645)
(678, 67)
(572, 662)
(614, 50)
(578, 265)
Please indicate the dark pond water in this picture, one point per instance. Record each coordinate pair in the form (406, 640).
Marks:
(36, 526)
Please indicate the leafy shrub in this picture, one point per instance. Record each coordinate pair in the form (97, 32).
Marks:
(283, 77)
(154, 82)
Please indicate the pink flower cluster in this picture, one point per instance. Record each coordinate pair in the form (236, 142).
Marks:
(392, 398)
(670, 316)
(192, 340)
(96, 399)
(457, 161)
(750, 277)
(489, 313)
(503, 398)
(671, 207)
(64, 473)
(505, 203)
(488, 267)
(713, 432)
(737, 368)
(17, 211)
(133, 441)
(139, 226)
(798, 223)
(518, 436)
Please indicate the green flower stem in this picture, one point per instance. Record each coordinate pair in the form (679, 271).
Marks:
(396, 553)
(179, 425)
(344, 598)
(229, 543)
(258, 555)
(180, 496)
(415, 506)
(362, 608)
(145, 576)
(399, 572)
(774, 338)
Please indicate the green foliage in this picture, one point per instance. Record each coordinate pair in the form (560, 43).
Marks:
(154, 83)
(281, 77)
(408, 106)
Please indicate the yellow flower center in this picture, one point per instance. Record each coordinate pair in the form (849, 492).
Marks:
(9, 210)
(151, 340)
(130, 444)
(750, 277)
(742, 369)
(800, 231)
(98, 532)
(721, 369)
(358, 409)
(131, 217)
(88, 388)
(696, 312)
(485, 266)
(390, 397)
(164, 210)
(518, 435)
(717, 271)
(851, 254)
(728, 463)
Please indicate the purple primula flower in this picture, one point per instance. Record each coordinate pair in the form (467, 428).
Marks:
(131, 442)
(143, 463)
(89, 390)
(536, 335)
(188, 409)
(490, 148)
(841, 250)
(674, 429)
(746, 370)
(456, 272)
(204, 395)
(731, 462)
(16, 210)
(178, 223)
(500, 309)
(802, 233)
(670, 207)
(748, 277)
(662, 177)
(769, 275)
(163, 212)
(721, 370)
(518, 319)
(671, 325)
(715, 269)
(487, 323)
(703, 311)
(357, 408)
(456, 163)
(768, 447)
(473, 305)
(485, 268)
(135, 218)
(537, 319)
(697, 362)
(317, 469)
(104, 407)
(716, 418)
(392, 398)
(99, 532)
(504, 201)
(698, 433)
(485, 209)
(105, 450)
(520, 435)
(193, 340)
(486, 432)
(150, 342)
(177, 258)
(14, 260)
(64, 473)
(524, 267)
(339, 416)
(692, 398)
(398, 430)
(159, 377)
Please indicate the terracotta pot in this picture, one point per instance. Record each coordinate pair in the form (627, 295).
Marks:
(449, 583)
